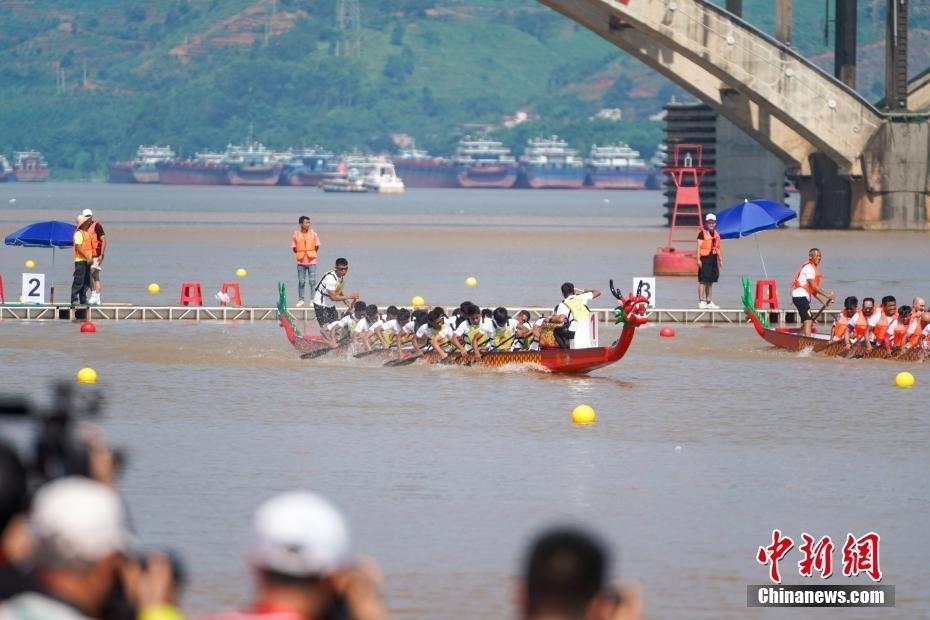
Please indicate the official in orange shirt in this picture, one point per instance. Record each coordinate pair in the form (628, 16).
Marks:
(305, 243)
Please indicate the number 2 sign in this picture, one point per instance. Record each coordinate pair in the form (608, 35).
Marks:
(34, 288)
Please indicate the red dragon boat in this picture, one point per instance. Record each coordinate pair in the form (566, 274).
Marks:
(792, 340)
(630, 312)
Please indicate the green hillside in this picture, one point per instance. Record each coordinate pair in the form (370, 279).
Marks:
(87, 81)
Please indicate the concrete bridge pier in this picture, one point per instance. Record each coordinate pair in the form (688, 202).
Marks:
(893, 192)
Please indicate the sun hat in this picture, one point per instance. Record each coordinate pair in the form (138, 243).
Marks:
(299, 534)
(80, 219)
(77, 520)
(710, 217)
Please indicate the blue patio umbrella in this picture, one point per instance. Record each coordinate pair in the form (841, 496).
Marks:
(750, 217)
(49, 234)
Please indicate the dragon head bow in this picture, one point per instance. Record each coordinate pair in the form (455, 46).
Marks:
(630, 310)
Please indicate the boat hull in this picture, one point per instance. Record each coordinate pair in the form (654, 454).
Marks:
(32, 175)
(145, 174)
(258, 175)
(618, 178)
(422, 174)
(500, 177)
(307, 178)
(120, 172)
(180, 173)
(554, 178)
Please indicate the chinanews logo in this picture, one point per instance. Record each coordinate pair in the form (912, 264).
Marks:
(860, 556)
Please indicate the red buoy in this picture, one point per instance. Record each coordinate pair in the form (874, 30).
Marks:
(88, 327)
(667, 332)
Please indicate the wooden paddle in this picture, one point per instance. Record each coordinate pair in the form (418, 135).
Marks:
(367, 353)
(819, 312)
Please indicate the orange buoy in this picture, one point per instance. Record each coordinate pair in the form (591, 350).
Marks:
(667, 332)
(88, 327)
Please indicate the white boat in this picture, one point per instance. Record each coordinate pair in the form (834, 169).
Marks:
(381, 178)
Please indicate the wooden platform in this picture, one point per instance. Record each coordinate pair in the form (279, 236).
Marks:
(127, 312)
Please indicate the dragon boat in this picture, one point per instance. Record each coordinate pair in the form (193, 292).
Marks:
(630, 312)
(791, 339)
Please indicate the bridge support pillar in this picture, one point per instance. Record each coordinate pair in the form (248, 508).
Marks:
(893, 194)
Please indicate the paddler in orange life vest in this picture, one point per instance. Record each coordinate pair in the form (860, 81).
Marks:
(709, 261)
(903, 332)
(806, 284)
(845, 320)
(305, 243)
(859, 324)
(879, 321)
(924, 334)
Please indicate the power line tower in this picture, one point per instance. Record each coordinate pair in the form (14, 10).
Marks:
(348, 23)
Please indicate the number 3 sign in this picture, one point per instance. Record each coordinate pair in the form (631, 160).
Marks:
(647, 288)
(34, 288)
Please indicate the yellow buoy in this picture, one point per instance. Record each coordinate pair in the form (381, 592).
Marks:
(30, 264)
(583, 414)
(471, 281)
(241, 272)
(87, 375)
(418, 301)
(904, 379)
(154, 288)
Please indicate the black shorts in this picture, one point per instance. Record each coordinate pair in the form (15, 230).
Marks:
(325, 315)
(709, 271)
(803, 304)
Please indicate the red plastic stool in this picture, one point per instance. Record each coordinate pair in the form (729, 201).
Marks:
(190, 294)
(766, 294)
(2, 298)
(232, 289)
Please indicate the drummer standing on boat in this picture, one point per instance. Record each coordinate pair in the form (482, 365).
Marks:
(328, 292)
(572, 317)
(806, 284)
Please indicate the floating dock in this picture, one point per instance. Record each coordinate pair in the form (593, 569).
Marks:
(127, 312)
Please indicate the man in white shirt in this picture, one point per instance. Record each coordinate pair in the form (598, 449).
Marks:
(328, 292)
(572, 317)
(806, 284)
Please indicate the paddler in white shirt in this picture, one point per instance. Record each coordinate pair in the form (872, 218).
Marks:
(472, 333)
(367, 327)
(346, 325)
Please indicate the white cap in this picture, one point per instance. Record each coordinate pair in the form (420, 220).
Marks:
(77, 520)
(87, 213)
(299, 534)
(710, 217)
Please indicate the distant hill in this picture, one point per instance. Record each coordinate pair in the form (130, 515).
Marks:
(87, 81)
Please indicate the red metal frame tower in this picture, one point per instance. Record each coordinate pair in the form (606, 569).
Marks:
(687, 172)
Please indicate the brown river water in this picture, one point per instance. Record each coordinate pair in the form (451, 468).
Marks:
(704, 442)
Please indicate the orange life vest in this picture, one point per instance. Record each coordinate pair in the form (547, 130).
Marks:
(861, 324)
(882, 326)
(85, 243)
(710, 242)
(904, 334)
(840, 325)
(94, 238)
(306, 249)
(807, 285)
